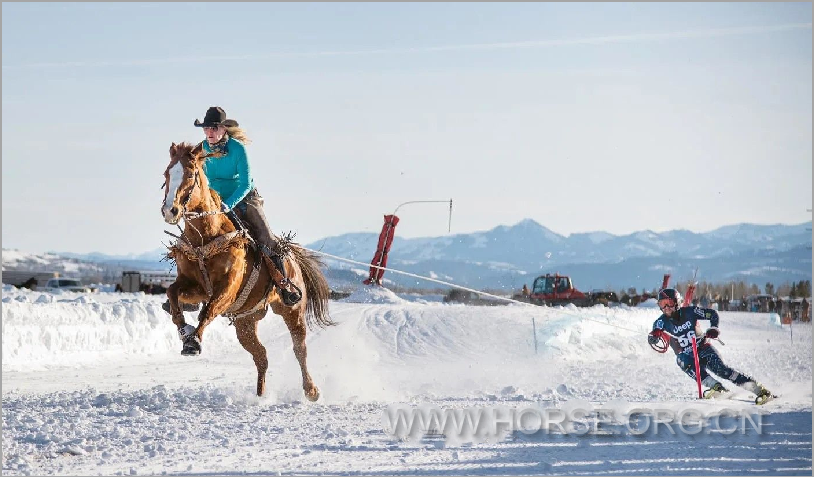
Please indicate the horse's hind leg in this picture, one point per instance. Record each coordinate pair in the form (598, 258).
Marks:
(296, 326)
(246, 330)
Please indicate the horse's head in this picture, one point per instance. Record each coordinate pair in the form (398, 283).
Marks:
(182, 180)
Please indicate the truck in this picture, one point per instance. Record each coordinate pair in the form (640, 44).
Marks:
(66, 284)
(558, 289)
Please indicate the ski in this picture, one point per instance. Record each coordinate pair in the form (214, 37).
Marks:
(709, 394)
(761, 400)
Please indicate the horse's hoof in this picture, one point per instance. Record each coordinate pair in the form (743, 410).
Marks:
(192, 346)
(313, 395)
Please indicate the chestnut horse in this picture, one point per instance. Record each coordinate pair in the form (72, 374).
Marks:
(218, 265)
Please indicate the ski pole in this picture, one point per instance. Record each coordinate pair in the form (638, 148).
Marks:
(697, 367)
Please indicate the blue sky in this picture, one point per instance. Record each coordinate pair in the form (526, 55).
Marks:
(584, 117)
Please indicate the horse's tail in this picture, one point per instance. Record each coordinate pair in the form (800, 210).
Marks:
(316, 287)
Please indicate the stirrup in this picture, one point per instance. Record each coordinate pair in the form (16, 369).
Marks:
(290, 297)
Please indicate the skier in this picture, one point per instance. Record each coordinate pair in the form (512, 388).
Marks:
(681, 322)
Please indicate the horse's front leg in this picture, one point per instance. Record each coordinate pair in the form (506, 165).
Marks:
(187, 289)
(223, 296)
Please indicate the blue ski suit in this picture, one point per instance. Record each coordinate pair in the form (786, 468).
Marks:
(682, 324)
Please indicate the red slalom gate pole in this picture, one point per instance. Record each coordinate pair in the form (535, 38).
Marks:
(697, 367)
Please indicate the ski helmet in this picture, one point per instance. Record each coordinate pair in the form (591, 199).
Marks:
(669, 296)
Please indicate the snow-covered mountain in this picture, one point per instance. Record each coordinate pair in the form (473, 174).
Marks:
(49, 262)
(508, 256)
(529, 244)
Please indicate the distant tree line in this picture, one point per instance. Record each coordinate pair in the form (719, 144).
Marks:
(729, 290)
(738, 289)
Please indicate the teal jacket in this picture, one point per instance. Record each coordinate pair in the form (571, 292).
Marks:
(230, 175)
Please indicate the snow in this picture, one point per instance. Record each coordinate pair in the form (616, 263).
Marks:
(18, 260)
(95, 385)
(649, 303)
(12, 257)
(373, 294)
(479, 241)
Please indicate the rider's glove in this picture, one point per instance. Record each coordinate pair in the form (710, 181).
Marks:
(712, 333)
(655, 336)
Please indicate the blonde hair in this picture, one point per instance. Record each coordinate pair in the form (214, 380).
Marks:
(238, 134)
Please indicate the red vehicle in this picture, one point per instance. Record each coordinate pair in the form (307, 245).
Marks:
(555, 290)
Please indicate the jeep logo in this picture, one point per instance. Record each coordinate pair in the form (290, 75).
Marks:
(683, 327)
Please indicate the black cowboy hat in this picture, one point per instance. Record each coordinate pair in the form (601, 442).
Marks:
(215, 116)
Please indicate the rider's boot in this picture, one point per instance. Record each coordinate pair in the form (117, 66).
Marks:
(289, 292)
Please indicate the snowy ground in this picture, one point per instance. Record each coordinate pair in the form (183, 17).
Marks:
(95, 384)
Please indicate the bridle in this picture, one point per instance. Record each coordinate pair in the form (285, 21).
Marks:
(189, 194)
(193, 215)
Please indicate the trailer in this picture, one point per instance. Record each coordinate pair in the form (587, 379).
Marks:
(29, 279)
(147, 281)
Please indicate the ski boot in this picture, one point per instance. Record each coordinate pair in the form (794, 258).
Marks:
(763, 395)
(715, 391)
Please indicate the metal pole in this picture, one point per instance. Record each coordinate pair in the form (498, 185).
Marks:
(418, 202)
(429, 202)
(534, 329)
(449, 227)
(388, 230)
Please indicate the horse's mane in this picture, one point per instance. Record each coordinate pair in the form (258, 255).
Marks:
(186, 145)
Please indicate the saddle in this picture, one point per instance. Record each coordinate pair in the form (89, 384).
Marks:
(289, 292)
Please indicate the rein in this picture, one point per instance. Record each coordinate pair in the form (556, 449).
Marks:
(198, 215)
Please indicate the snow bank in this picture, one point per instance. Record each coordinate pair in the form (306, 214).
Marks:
(649, 303)
(390, 351)
(45, 330)
(373, 294)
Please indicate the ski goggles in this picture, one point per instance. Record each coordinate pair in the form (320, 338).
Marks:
(664, 304)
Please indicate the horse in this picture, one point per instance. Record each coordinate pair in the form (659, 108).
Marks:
(31, 283)
(219, 265)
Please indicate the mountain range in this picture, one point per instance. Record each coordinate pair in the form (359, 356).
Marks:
(506, 257)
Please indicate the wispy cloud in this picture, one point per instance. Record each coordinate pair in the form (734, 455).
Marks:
(599, 40)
